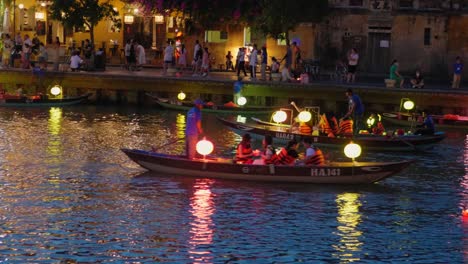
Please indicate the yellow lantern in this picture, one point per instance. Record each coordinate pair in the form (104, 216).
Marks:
(181, 96)
(56, 90)
(204, 147)
(370, 121)
(305, 116)
(241, 101)
(408, 105)
(280, 116)
(352, 150)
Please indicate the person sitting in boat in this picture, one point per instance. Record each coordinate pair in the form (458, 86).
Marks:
(244, 151)
(346, 126)
(313, 155)
(328, 125)
(374, 124)
(427, 127)
(267, 153)
(287, 155)
(304, 128)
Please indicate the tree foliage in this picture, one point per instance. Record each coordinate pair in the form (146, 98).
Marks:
(78, 13)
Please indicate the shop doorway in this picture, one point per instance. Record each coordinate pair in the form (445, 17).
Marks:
(379, 52)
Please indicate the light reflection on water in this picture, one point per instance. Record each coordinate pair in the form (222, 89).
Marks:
(67, 193)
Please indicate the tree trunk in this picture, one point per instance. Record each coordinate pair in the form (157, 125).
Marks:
(91, 35)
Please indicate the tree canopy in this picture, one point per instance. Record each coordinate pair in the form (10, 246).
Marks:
(269, 17)
(80, 13)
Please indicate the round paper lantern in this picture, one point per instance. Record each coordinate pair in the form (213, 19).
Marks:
(280, 116)
(204, 147)
(408, 105)
(181, 96)
(352, 150)
(241, 100)
(305, 116)
(56, 90)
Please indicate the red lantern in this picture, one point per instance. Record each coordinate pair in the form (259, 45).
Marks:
(204, 147)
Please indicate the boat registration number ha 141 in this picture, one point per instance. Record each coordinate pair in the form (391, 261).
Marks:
(325, 172)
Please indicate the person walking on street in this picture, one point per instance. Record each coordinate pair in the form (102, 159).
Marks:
(395, 74)
(193, 129)
(168, 57)
(353, 59)
(355, 110)
(457, 71)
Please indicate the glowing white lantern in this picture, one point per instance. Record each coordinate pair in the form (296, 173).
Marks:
(181, 96)
(241, 100)
(204, 147)
(305, 116)
(56, 90)
(280, 116)
(408, 105)
(352, 150)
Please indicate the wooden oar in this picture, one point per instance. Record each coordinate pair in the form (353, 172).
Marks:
(155, 149)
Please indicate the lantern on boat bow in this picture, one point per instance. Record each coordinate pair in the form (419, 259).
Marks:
(204, 147)
(56, 92)
(352, 150)
(241, 101)
(304, 116)
(408, 105)
(181, 96)
(280, 116)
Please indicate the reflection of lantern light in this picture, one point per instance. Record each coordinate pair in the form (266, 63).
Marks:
(204, 147)
(56, 90)
(352, 150)
(408, 105)
(305, 116)
(181, 96)
(465, 213)
(280, 116)
(241, 100)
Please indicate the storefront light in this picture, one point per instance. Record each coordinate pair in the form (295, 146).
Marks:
(158, 19)
(128, 19)
(39, 15)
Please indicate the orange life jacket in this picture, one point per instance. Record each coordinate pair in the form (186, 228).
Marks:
(346, 126)
(326, 128)
(283, 158)
(305, 129)
(317, 159)
(270, 160)
(246, 150)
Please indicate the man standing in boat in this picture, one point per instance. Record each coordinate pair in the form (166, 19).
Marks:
(355, 110)
(193, 128)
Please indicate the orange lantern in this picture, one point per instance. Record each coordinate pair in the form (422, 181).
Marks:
(204, 147)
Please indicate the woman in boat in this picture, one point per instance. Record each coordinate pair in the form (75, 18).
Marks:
(427, 127)
(267, 153)
(313, 155)
(287, 155)
(244, 152)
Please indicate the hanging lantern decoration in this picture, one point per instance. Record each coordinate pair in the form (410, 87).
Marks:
(305, 116)
(181, 96)
(280, 116)
(204, 147)
(370, 121)
(352, 150)
(241, 101)
(408, 105)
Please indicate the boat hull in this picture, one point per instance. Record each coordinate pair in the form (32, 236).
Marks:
(25, 102)
(407, 120)
(332, 173)
(185, 106)
(368, 142)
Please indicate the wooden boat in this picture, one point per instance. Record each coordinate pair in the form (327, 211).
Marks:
(367, 141)
(38, 101)
(412, 119)
(228, 109)
(266, 123)
(332, 173)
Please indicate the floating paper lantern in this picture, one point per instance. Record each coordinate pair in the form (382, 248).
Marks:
(204, 147)
(352, 150)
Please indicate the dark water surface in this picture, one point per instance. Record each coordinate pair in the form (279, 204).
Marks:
(69, 195)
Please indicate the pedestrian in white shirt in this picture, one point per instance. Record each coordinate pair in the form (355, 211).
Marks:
(253, 62)
(168, 57)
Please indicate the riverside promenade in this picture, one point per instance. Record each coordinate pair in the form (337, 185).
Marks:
(120, 85)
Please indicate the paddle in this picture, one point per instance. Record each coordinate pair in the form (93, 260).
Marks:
(155, 149)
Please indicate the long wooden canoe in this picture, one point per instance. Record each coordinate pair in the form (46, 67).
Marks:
(25, 101)
(367, 142)
(445, 121)
(331, 173)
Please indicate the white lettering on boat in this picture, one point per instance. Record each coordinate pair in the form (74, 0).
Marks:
(284, 136)
(245, 170)
(325, 172)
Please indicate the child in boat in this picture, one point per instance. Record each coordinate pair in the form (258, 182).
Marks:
(267, 153)
(313, 155)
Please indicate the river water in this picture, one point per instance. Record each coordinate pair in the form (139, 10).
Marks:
(69, 195)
